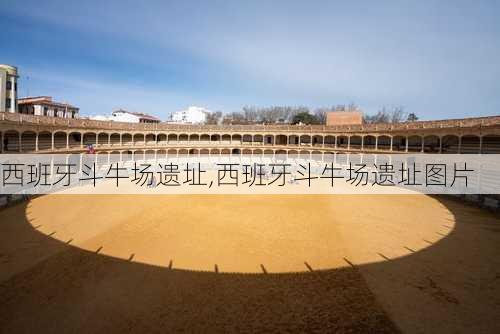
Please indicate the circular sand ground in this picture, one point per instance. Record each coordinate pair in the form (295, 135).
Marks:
(244, 233)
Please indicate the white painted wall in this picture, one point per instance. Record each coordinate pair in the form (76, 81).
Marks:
(190, 115)
(8, 72)
(117, 117)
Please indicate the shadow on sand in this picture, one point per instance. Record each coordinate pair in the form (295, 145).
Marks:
(450, 286)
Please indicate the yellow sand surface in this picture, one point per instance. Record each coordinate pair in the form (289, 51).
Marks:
(164, 263)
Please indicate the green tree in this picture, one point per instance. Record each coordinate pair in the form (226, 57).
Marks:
(412, 117)
(304, 118)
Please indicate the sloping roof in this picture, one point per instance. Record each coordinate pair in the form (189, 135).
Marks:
(138, 114)
(45, 100)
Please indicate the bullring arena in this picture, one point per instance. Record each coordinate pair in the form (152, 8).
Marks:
(218, 263)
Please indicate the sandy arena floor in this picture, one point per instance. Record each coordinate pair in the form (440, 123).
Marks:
(293, 262)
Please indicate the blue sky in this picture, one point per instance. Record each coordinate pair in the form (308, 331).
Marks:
(438, 59)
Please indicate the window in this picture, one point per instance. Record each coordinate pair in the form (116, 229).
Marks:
(8, 86)
(45, 111)
(7, 103)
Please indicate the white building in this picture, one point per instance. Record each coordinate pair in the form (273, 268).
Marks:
(191, 115)
(45, 106)
(8, 88)
(121, 115)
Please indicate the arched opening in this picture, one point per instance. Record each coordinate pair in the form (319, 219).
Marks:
(60, 140)
(45, 141)
(103, 139)
(102, 158)
(305, 155)
(194, 138)
(225, 151)
(247, 139)
(149, 155)
(205, 139)
(161, 139)
(268, 140)
(214, 151)
(414, 144)
(258, 139)
(172, 153)
(305, 140)
(316, 155)
(281, 140)
(172, 138)
(236, 151)
(127, 155)
(470, 144)
(138, 139)
(280, 154)
(182, 152)
(369, 142)
(247, 151)
(127, 139)
(293, 154)
(384, 143)
(330, 141)
(399, 143)
(114, 139)
(215, 138)
(257, 152)
(226, 139)
(317, 140)
(150, 139)
(491, 144)
(450, 144)
(431, 144)
(194, 152)
(138, 155)
(204, 151)
(293, 140)
(161, 154)
(269, 153)
(342, 141)
(114, 157)
(11, 141)
(183, 139)
(28, 141)
(355, 142)
(236, 138)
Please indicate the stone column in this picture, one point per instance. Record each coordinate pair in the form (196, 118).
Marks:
(20, 148)
(36, 142)
(406, 144)
(52, 141)
(392, 142)
(376, 143)
(67, 140)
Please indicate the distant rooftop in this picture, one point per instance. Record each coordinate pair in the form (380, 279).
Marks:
(138, 114)
(45, 100)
